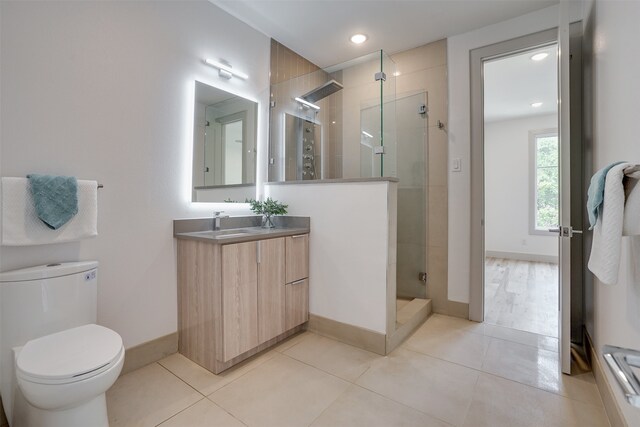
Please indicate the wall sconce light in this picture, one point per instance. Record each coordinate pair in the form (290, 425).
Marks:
(225, 70)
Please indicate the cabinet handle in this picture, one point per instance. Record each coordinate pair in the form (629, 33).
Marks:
(258, 252)
(298, 236)
(297, 282)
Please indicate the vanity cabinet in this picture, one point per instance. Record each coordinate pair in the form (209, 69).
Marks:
(237, 299)
(297, 278)
(271, 292)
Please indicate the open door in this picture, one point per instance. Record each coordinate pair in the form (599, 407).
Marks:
(571, 166)
(571, 186)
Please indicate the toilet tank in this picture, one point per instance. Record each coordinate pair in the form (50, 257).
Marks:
(41, 300)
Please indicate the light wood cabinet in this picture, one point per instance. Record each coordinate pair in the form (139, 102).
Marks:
(235, 299)
(297, 257)
(297, 303)
(239, 299)
(271, 292)
(297, 277)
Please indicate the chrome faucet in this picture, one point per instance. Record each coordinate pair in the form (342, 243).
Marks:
(217, 216)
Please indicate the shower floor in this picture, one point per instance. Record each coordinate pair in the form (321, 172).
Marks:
(406, 309)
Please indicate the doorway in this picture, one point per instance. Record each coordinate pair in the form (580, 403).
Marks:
(521, 190)
(572, 171)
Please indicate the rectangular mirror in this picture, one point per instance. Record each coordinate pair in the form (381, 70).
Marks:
(224, 146)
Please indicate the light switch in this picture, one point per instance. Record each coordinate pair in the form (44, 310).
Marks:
(456, 165)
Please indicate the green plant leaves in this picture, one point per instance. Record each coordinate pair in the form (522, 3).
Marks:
(268, 207)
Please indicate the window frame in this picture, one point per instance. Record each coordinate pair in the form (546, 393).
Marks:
(533, 167)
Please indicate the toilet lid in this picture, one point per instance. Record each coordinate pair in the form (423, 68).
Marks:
(70, 354)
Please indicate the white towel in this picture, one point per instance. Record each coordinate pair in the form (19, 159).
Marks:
(617, 219)
(631, 221)
(22, 227)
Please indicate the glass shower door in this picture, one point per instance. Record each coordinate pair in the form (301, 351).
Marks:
(412, 143)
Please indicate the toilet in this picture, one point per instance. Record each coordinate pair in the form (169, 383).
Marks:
(56, 364)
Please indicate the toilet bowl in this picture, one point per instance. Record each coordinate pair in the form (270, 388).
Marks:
(64, 376)
(55, 363)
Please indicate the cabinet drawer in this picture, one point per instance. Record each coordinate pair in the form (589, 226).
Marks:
(297, 257)
(296, 303)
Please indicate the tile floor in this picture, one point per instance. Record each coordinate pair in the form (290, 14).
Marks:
(450, 372)
(522, 295)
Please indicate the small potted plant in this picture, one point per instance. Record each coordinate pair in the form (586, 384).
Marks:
(267, 209)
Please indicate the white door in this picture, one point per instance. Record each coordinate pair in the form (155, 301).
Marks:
(565, 230)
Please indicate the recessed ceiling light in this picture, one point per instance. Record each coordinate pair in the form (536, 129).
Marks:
(358, 38)
(536, 104)
(539, 56)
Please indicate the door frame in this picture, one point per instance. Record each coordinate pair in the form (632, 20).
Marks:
(477, 58)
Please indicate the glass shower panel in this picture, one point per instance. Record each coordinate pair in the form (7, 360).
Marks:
(412, 164)
(388, 117)
(378, 152)
(370, 162)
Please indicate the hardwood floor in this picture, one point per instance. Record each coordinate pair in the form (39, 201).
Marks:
(522, 295)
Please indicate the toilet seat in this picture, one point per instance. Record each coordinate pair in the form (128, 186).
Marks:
(69, 356)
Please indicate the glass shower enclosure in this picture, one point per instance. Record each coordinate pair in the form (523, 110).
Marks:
(348, 121)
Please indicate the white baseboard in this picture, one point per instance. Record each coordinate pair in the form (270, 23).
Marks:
(522, 256)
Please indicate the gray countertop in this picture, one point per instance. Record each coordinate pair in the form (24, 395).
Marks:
(239, 235)
(238, 229)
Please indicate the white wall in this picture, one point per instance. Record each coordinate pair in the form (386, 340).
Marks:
(616, 90)
(348, 247)
(508, 201)
(104, 90)
(458, 48)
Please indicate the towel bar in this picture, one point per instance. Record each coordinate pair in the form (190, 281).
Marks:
(621, 361)
(100, 186)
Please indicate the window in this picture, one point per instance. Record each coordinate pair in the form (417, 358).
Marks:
(545, 181)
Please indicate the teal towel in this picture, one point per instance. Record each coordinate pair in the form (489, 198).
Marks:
(55, 198)
(595, 195)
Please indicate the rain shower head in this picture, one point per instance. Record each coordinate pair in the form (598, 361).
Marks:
(323, 91)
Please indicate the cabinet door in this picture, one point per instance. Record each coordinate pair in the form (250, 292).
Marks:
(271, 298)
(239, 299)
(297, 257)
(297, 303)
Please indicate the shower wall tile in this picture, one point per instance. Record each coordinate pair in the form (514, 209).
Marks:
(288, 64)
(292, 75)
(437, 278)
(434, 81)
(438, 153)
(438, 216)
(421, 58)
(425, 69)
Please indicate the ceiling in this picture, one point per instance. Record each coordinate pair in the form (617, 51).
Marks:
(513, 83)
(319, 30)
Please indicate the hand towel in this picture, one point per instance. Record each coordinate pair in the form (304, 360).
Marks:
(55, 198)
(21, 225)
(595, 194)
(604, 261)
